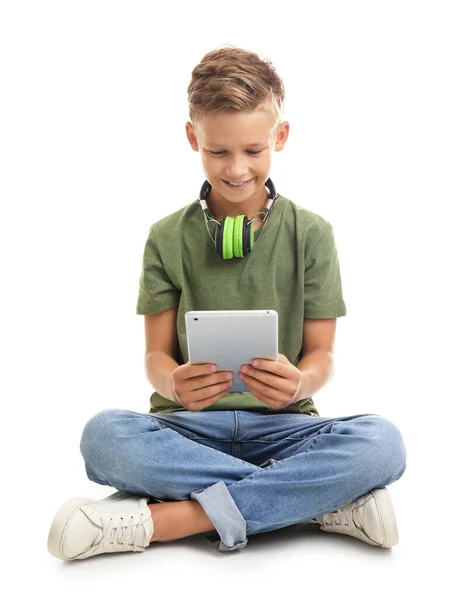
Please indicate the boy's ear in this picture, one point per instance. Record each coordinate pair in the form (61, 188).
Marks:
(282, 136)
(191, 136)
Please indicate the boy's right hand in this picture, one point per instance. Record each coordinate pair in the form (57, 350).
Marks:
(199, 386)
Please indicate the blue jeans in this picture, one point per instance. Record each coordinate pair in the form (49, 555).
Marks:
(251, 472)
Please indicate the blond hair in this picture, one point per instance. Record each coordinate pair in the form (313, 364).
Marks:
(231, 78)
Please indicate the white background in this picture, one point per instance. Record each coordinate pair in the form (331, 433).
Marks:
(93, 151)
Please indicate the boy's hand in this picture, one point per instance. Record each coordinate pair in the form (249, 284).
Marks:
(276, 383)
(199, 386)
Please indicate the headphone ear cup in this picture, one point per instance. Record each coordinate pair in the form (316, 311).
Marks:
(238, 233)
(234, 237)
(219, 238)
(227, 243)
(248, 237)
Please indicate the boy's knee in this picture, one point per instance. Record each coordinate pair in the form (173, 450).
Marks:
(387, 445)
(109, 429)
(381, 447)
(99, 428)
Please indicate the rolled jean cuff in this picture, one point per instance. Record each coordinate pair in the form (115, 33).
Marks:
(222, 511)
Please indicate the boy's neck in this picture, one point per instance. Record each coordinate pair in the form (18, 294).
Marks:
(221, 208)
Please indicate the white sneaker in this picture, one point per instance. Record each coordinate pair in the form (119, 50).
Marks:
(370, 518)
(83, 527)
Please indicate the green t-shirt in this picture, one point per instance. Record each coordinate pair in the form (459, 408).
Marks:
(293, 269)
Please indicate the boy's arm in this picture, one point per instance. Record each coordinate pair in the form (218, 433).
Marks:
(316, 363)
(161, 350)
(159, 368)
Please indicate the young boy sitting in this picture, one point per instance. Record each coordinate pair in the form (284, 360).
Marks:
(204, 459)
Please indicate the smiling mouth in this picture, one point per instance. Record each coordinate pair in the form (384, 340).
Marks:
(237, 185)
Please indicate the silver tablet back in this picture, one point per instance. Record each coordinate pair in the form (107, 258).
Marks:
(231, 338)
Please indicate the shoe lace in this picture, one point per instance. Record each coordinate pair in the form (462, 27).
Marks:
(116, 531)
(336, 518)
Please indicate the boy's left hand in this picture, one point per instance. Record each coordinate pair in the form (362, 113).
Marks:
(276, 383)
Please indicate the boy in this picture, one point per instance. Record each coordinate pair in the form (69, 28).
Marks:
(205, 460)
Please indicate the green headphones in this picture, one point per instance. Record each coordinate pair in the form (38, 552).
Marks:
(235, 236)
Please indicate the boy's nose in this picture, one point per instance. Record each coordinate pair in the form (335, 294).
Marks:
(237, 170)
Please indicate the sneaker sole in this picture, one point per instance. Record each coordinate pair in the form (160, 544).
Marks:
(59, 524)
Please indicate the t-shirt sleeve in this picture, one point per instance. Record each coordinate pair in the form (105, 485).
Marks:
(157, 292)
(323, 296)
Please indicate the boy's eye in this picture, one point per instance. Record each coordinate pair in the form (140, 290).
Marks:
(253, 152)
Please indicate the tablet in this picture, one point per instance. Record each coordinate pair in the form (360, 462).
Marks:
(231, 338)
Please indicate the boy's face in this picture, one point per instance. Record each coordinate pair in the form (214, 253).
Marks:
(237, 146)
